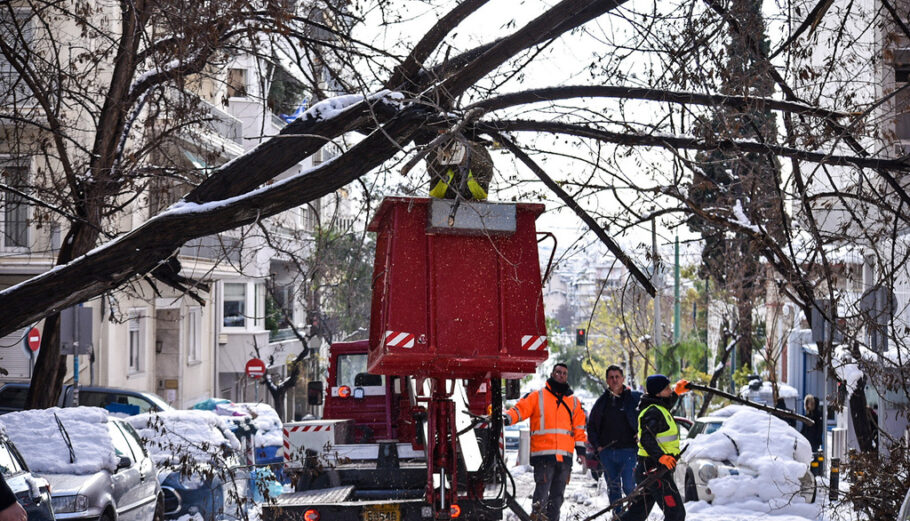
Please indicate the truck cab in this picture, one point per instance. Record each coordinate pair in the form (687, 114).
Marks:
(370, 400)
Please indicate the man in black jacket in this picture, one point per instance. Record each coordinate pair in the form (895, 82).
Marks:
(612, 428)
(10, 509)
(658, 446)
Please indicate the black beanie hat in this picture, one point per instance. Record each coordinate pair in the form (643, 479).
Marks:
(656, 383)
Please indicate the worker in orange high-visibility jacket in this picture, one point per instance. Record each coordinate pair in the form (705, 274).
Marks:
(557, 430)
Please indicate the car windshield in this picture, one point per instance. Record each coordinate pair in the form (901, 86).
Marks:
(704, 427)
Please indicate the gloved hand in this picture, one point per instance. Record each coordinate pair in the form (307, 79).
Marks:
(682, 387)
(668, 461)
(506, 420)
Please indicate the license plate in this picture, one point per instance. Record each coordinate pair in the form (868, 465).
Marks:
(381, 513)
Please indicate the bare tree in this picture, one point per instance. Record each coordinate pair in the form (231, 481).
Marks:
(617, 140)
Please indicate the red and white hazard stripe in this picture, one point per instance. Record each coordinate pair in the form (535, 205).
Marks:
(399, 339)
(299, 428)
(533, 342)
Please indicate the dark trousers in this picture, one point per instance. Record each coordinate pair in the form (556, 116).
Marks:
(550, 477)
(663, 492)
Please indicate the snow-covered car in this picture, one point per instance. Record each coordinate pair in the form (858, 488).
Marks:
(96, 465)
(741, 453)
(259, 429)
(201, 466)
(32, 492)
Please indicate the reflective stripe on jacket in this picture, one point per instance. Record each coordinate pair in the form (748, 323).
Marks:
(668, 440)
(557, 429)
(439, 191)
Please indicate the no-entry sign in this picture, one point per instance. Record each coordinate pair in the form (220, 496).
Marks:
(33, 340)
(255, 368)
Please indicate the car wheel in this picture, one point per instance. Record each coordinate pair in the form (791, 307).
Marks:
(691, 489)
(106, 516)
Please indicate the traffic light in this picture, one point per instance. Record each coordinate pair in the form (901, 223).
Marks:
(580, 336)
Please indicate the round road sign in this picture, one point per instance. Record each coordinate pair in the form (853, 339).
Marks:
(33, 339)
(255, 368)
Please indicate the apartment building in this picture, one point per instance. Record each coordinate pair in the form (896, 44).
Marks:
(241, 287)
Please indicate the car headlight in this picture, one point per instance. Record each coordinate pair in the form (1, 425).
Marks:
(67, 504)
(707, 472)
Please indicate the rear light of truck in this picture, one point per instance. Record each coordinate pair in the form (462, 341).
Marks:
(344, 391)
(311, 515)
(455, 511)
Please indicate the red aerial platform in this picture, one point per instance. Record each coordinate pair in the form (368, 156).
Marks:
(456, 298)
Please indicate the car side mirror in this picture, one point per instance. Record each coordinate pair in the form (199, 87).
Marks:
(124, 463)
(314, 393)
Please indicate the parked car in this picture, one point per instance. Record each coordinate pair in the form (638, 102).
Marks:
(257, 424)
(201, 466)
(96, 465)
(119, 401)
(696, 469)
(32, 492)
(512, 434)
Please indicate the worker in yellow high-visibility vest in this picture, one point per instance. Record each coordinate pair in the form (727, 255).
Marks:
(658, 446)
(446, 179)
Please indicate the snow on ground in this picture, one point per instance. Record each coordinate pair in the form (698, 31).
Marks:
(766, 442)
(585, 497)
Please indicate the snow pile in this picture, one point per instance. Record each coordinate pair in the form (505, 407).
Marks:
(758, 443)
(41, 442)
(265, 419)
(846, 368)
(195, 436)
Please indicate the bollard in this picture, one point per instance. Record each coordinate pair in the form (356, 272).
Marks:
(818, 464)
(834, 482)
(524, 447)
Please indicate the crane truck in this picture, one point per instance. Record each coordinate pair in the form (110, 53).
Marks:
(411, 427)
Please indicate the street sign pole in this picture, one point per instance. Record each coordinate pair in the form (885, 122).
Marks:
(76, 363)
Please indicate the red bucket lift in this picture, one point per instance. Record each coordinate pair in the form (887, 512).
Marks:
(456, 298)
(456, 295)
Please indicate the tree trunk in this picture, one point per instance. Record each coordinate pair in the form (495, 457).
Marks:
(744, 329)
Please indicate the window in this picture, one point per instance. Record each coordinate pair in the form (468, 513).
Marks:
(350, 366)
(15, 207)
(121, 446)
(132, 437)
(236, 83)
(116, 402)
(234, 307)
(18, 32)
(136, 340)
(193, 333)
(352, 371)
